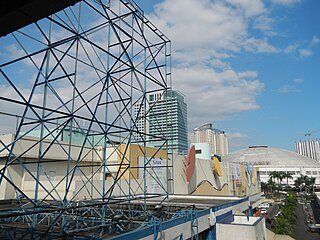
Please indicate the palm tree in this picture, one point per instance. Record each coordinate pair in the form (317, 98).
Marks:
(304, 182)
(288, 176)
(274, 175)
(299, 182)
(309, 182)
(271, 185)
(264, 187)
(281, 176)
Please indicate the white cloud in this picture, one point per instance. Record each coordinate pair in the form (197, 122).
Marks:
(288, 89)
(237, 140)
(248, 74)
(298, 80)
(264, 24)
(286, 2)
(214, 96)
(291, 48)
(304, 49)
(315, 40)
(237, 135)
(250, 7)
(217, 63)
(259, 45)
(202, 28)
(204, 35)
(305, 52)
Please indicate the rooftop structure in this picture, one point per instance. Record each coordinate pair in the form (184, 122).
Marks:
(196, 201)
(21, 13)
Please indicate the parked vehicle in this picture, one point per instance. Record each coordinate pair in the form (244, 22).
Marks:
(278, 213)
(264, 205)
(314, 227)
(263, 210)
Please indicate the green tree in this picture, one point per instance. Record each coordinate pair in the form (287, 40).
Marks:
(281, 176)
(283, 226)
(271, 185)
(304, 182)
(274, 175)
(287, 176)
(285, 222)
(310, 181)
(300, 182)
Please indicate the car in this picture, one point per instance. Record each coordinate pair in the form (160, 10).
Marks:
(313, 227)
(264, 205)
(263, 210)
(278, 213)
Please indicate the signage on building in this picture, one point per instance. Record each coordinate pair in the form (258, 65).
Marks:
(155, 173)
(237, 175)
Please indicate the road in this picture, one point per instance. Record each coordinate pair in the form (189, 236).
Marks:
(316, 211)
(301, 229)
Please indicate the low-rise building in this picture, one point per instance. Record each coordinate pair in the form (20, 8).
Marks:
(197, 197)
(273, 159)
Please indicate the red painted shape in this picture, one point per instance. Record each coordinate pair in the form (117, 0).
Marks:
(190, 162)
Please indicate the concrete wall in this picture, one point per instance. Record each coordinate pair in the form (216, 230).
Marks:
(87, 179)
(241, 229)
(204, 181)
(28, 148)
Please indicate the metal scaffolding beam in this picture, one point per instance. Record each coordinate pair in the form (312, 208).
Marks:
(70, 85)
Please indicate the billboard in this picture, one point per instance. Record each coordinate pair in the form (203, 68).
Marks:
(155, 173)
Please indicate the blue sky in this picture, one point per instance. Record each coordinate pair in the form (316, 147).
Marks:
(251, 67)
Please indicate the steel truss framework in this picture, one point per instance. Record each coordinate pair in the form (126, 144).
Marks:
(68, 90)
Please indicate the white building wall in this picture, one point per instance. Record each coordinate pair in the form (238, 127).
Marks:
(294, 171)
(242, 229)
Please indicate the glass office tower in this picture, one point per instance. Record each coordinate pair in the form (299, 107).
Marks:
(167, 119)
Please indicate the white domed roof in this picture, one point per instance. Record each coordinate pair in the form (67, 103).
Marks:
(263, 155)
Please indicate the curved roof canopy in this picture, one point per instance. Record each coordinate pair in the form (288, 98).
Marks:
(263, 155)
(15, 14)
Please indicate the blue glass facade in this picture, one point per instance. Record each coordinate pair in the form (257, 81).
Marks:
(167, 119)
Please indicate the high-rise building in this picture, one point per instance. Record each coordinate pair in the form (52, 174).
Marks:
(140, 116)
(167, 119)
(310, 148)
(217, 139)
